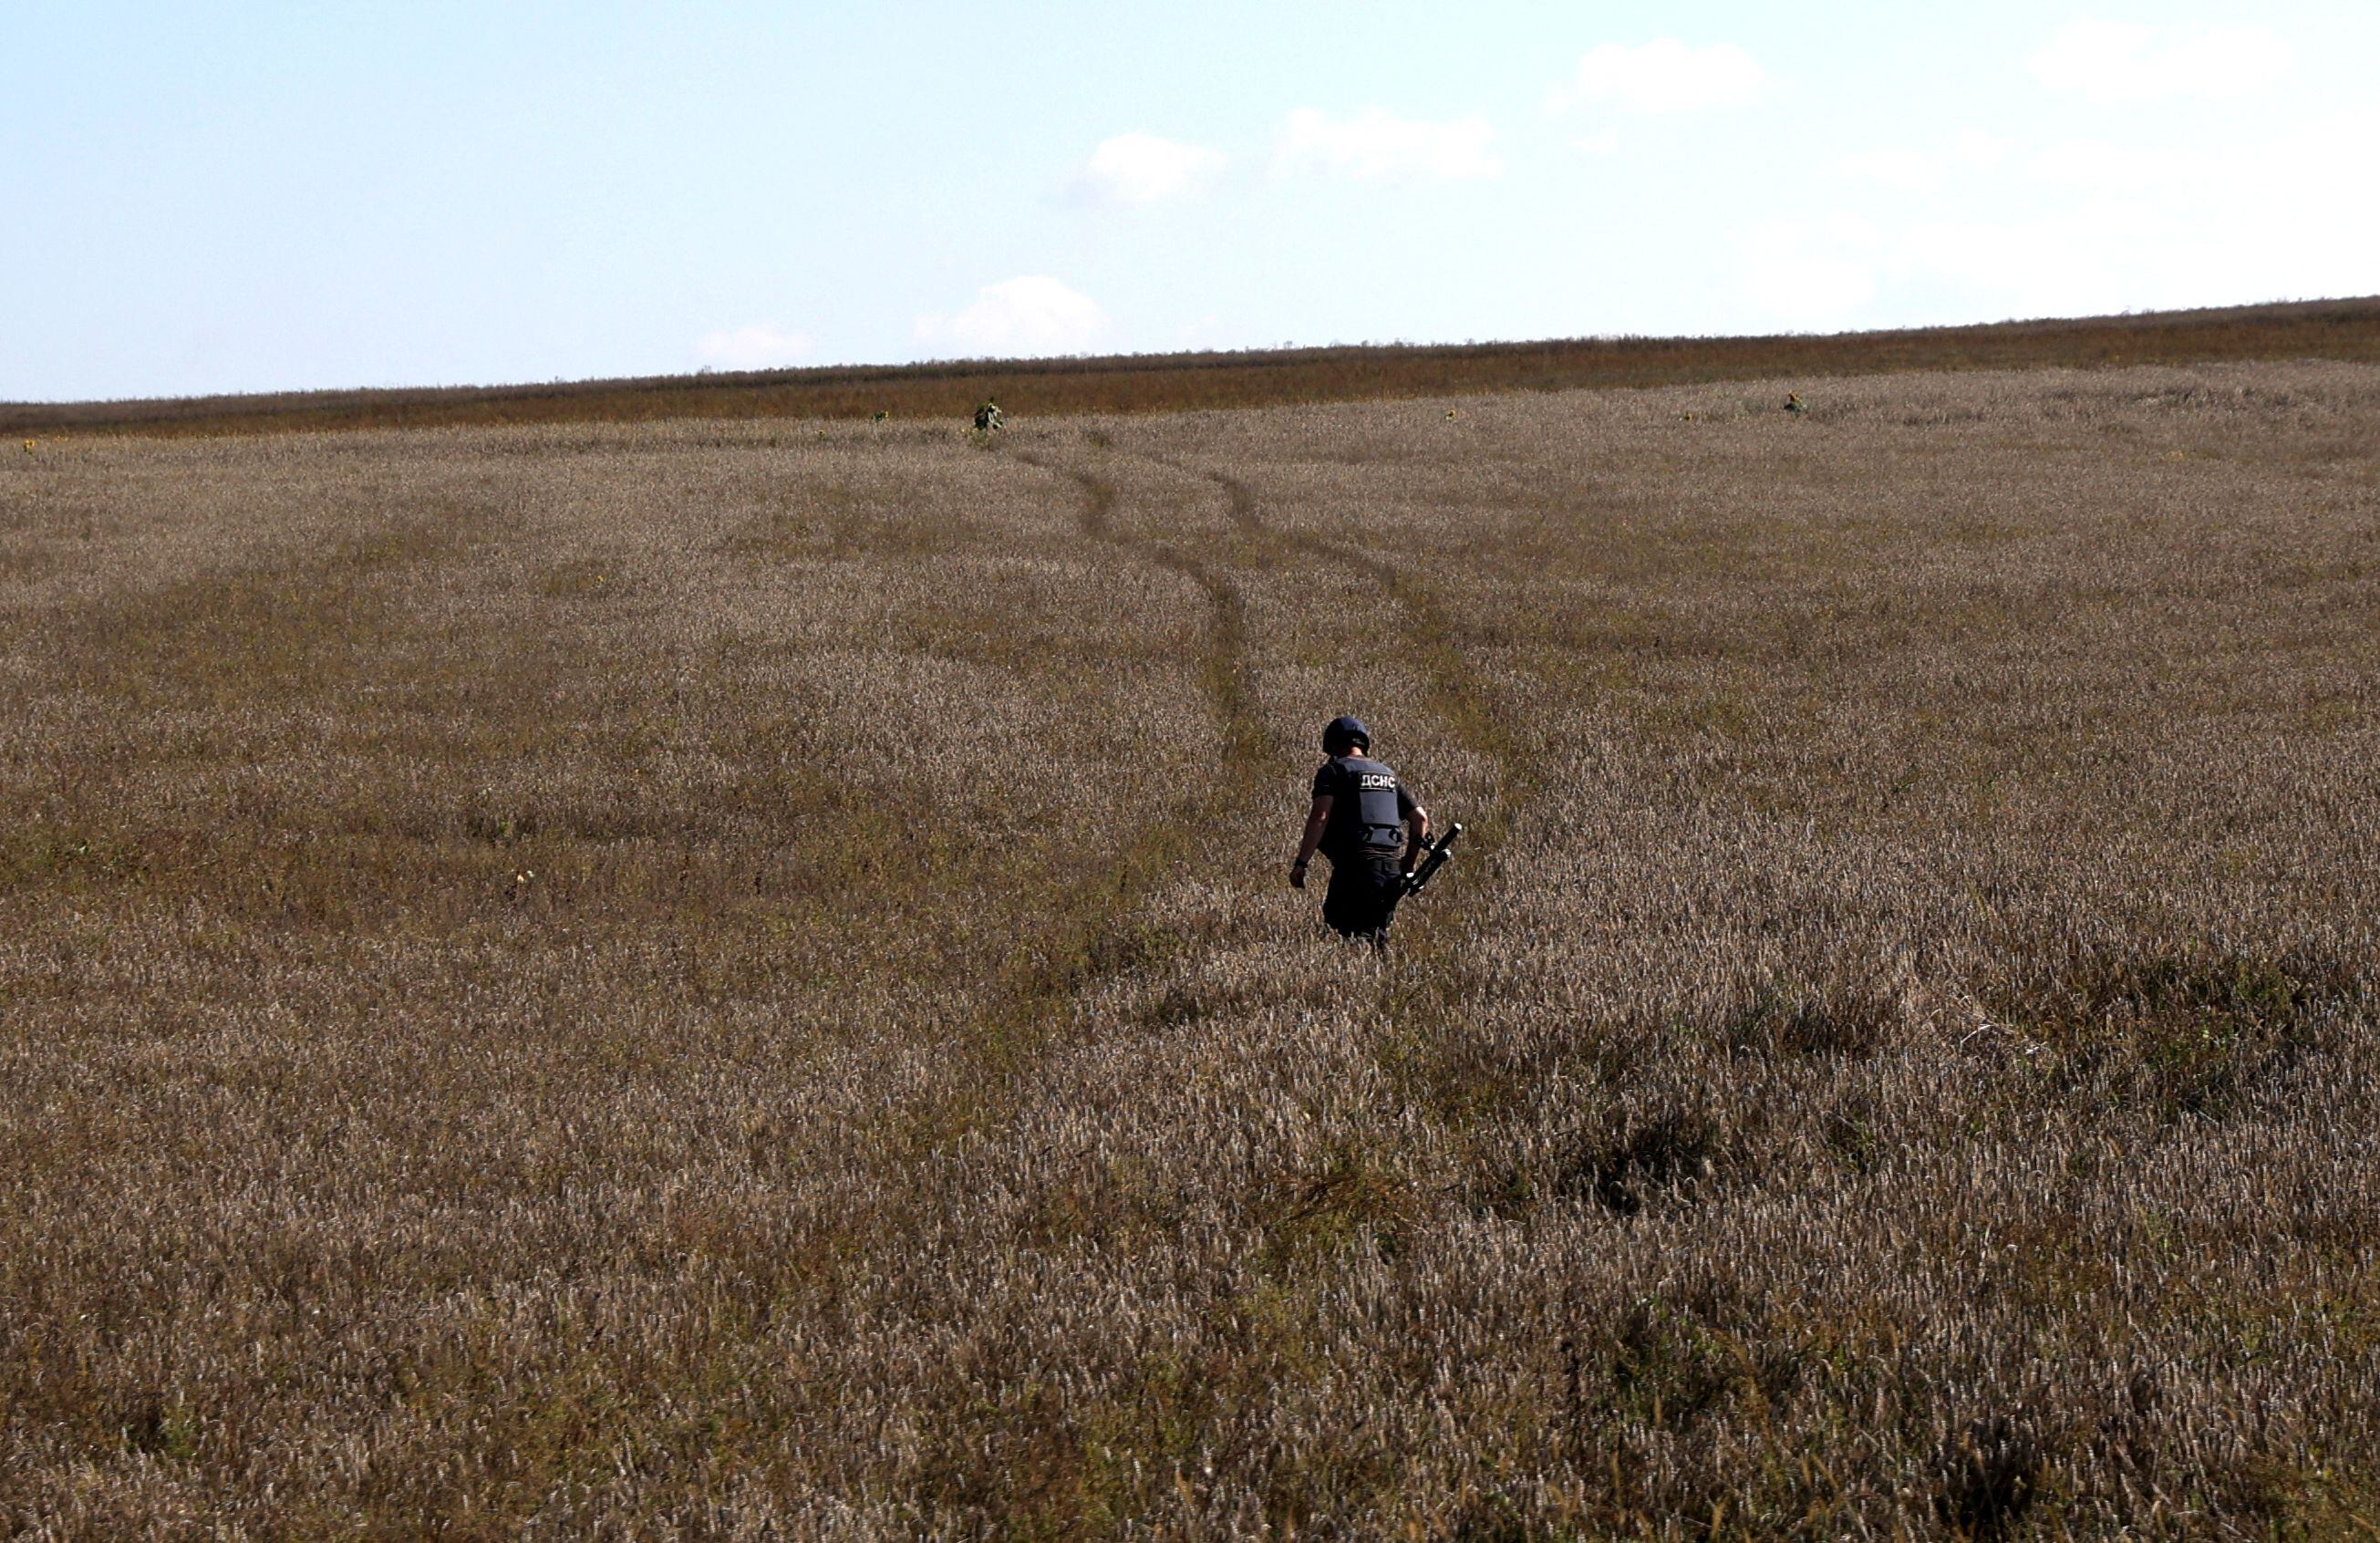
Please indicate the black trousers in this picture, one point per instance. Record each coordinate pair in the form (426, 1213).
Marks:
(1365, 889)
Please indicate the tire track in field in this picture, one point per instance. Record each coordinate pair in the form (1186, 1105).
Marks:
(1223, 661)
(1418, 1008)
(1453, 689)
(290, 625)
(1090, 937)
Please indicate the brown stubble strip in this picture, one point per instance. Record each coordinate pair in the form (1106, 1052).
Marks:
(2342, 329)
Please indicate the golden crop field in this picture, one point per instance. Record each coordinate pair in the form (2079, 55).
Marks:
(737, 978)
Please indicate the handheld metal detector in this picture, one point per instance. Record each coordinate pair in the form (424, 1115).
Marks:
(1439, 851)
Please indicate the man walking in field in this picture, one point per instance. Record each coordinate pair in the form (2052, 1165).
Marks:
(1371, 828)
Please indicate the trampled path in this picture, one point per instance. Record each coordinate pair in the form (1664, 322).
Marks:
(1455, 691)
(1091, 916)
(1223, 657)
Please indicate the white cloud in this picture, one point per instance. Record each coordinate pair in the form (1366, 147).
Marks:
(1143, 168)
(2083, 227)
(2160, 227)
(1911, 171)
(2097, 165)
(1918, 170)
(1606, 142)
(2098, 258)
(1374, 147)
(1665, 75)
(2122, 61)
(1975, 148)
(1018, 318)
(765, 347)
(1812, 275)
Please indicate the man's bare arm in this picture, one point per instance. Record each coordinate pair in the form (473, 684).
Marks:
(1416, 836)
(1315, 819)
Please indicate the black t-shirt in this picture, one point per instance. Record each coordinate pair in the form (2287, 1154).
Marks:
(1368, 806)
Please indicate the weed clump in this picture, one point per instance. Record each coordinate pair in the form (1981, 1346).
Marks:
(2188, 1033)
(1672, 1157)
(1790, 1020)
(1988, 1476)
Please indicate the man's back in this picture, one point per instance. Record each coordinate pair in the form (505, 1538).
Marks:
(1368, 806)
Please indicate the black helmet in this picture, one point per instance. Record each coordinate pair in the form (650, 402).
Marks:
(1339, 733)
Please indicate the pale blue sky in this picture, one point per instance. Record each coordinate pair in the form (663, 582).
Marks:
(234, 197)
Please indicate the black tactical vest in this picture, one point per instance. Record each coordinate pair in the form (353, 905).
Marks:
(1364, 816)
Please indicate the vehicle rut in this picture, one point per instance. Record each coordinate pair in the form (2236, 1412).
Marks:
(1454, 690)
(1091, 937)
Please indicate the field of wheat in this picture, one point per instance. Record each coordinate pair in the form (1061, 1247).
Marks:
(737, 979)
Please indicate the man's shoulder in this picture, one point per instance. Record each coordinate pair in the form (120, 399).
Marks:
(1332, 774)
